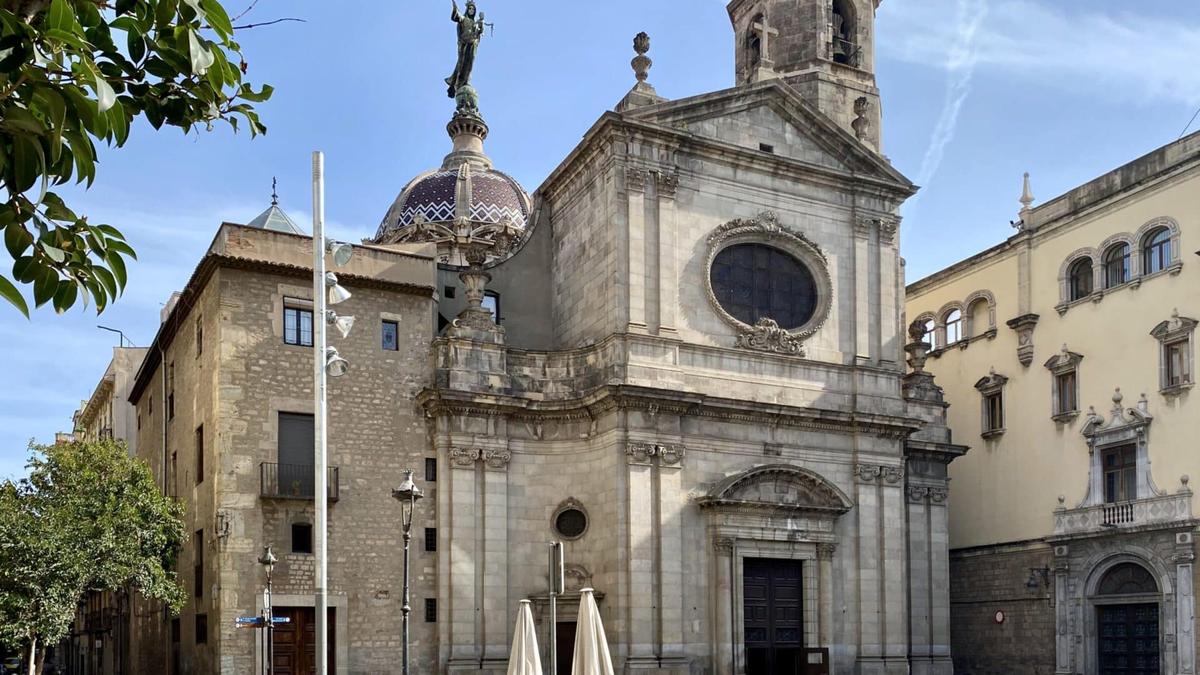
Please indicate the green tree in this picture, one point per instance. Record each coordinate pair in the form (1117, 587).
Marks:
(88, 518)
(77, 71)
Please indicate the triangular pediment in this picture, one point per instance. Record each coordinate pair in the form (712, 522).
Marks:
(772, 114)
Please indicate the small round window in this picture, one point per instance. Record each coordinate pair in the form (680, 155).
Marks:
(755, 281)
(571, 522)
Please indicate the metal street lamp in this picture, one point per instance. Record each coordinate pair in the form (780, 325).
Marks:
(268, 560)
(326, 363)
(407, 494)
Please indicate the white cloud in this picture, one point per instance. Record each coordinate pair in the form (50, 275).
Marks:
(1125, 54)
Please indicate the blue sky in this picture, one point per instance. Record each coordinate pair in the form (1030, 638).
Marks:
(975, 92)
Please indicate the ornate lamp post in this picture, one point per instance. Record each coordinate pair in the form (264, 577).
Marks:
(407, 494)
(268, 560)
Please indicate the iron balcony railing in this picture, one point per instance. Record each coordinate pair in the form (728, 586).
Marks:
(293, 481)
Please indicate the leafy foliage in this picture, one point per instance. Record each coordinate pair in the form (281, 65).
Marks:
(77, 71)
(88, 518)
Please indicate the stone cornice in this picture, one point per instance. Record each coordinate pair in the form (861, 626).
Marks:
(443, 403)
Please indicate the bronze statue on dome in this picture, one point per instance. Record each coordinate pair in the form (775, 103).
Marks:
(470, 29)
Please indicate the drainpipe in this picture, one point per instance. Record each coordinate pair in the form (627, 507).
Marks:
(162, 371)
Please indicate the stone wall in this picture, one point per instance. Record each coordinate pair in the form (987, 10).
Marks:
(984, 581)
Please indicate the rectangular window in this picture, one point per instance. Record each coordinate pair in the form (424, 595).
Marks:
(171, 391)
(993, 412)
(1065, 388)
(139, 421)
(298, 322)
(1120, 474)
(431, 539)
(296, 455)
(391, 336)
(198, 569)
(201, 629)
(448, 292)
(1175, 363)
(302, 538)
(199, 336)
(430, 469)
(199, 454)
(491, 302)
(430, 610)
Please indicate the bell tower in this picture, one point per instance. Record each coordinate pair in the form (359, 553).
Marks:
(825, 49)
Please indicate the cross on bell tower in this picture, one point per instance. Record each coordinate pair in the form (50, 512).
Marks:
(822, 48)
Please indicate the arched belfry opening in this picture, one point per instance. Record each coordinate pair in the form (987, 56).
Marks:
(845, 33)
(754, 41)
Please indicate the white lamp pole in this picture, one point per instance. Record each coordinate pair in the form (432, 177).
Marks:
(321, 491)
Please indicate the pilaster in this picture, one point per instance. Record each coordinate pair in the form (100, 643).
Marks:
(635, 186)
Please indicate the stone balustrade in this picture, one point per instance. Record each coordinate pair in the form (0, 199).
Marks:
(1138, 513)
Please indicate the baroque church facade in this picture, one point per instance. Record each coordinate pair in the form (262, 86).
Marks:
(696, 379)
(683, 356)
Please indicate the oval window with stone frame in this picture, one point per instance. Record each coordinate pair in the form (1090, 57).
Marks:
(570, 523)
(769, 282)
(754, 281)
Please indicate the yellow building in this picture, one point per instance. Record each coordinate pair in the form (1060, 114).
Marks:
(1067, 357)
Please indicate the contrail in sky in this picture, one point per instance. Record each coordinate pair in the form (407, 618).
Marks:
(960, 66)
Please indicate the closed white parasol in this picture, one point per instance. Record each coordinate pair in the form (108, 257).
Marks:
(524, 658)
(591, 646)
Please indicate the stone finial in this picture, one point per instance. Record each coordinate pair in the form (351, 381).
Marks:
(1026, 194)
(1117, 397)
(1143, 403)
(641, 63)
(643, 93)
(1184, 479)
(1062, 499)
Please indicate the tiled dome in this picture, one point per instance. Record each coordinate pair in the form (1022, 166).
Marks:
(440, 197)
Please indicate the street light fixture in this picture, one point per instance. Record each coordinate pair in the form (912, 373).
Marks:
(407, 494)
(341, 252)
(344, 324)
(268, 560)
(337, 294)
(335, 365)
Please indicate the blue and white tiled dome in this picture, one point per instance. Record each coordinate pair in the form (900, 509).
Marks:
(482, 196)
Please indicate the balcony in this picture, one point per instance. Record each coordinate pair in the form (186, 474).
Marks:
(293, 481)
(1149, 513)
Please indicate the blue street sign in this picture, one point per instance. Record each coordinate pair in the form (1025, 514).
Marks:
(249, 621)
(281, 619)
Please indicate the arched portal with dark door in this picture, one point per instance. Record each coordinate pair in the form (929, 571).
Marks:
(1127, 621)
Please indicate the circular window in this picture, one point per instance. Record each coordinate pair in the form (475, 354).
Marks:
(570, 522)
(756, 281)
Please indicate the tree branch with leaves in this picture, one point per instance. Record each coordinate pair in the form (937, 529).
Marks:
(77, 72)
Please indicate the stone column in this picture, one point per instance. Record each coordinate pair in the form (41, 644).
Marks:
(870, 581)
(668, 279)
(889, 274)
(635, 186)
(722, 603)
(670, 551)
(920, 579)
(862, 289)
(825, 553)
(640, 604)
(939, 563)
(497, 608)
(461, 514)
(1185, 604)
(894, 570)
(1062, 612)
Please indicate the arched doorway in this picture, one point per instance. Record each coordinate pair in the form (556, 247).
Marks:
(1127, 621)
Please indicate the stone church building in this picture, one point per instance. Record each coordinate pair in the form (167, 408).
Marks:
(683, 355)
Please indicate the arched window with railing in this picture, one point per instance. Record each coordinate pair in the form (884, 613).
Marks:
(1156, 251)
(1079, 279)
(1116, 265)
(954, 326)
